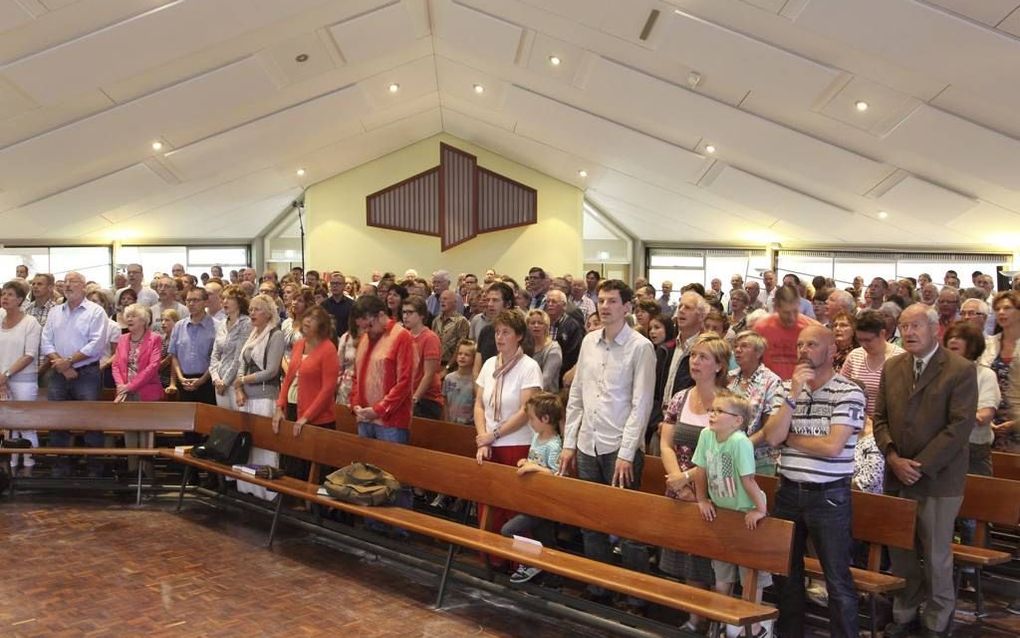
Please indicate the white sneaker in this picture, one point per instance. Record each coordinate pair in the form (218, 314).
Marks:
(524, 574)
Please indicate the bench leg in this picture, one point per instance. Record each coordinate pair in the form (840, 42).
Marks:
(445, 576)
(979, 609)
(872, 610)
(276, 519)
(138, 496)
(184, 484)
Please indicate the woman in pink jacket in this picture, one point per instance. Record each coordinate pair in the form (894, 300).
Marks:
(136, 373)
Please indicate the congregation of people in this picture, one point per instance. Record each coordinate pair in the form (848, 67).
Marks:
(899, 387)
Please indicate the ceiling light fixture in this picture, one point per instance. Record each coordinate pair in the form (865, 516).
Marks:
(710, 149)
(394, 87)
(479, 89)
(300, 172)
(301, 57)
(861, 105)
(882, 214)
(157, 145)
(554, 60)
(582, 173)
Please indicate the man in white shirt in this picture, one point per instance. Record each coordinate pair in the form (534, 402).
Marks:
(73, 340)
(214, 304)
(166, 290)
(146, 296)
(607, 412)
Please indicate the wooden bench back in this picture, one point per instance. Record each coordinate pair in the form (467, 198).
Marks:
(878, 519)
(97, 415)
(647, 518)
(989, 499)
(1006, 465)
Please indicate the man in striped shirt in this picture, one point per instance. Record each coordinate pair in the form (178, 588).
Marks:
(816, 430)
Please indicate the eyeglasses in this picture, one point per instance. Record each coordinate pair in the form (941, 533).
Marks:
(717, 412)
(972, 313)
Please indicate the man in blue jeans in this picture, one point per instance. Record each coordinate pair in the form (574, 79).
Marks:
(607, 412)
(73, 339)
(816, 430)
(383, 368)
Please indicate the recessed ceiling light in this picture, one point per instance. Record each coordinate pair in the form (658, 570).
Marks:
(710, 149)
(300, 172)
(861, 105)
(301, 57)
(554, 60)
(394, 87)
(479, 89)
(157, 145)
(882, 214)
(582, 173)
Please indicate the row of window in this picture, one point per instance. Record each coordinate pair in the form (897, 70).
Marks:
(683, 266)
(96, 262)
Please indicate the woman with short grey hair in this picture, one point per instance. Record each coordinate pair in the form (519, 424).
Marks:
(761, 387)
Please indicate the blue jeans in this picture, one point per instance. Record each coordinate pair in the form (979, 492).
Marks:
(824, 516)
(389, 434)
(84, 388)
(599, 469)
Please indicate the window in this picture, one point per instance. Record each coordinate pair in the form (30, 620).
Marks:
(195, 259)
(91, 261)
(685, 266)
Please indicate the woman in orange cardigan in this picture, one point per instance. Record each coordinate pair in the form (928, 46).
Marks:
(313, 361)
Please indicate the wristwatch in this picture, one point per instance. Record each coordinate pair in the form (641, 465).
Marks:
(790, 402)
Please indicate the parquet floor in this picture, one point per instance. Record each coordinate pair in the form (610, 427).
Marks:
(90, 568)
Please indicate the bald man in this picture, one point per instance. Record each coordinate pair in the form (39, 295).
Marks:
(816, 431)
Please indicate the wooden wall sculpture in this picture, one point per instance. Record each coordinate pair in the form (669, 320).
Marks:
(454, 201)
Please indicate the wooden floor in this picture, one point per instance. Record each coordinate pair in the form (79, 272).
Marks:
(89, 568)
(92, 567)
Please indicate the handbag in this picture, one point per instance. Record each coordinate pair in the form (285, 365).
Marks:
(362, 484)
(224, 445)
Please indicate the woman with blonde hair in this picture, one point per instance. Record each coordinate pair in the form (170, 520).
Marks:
(258, 383)
(136, 373)
(683, 420)
(548, 353)
(231, 333)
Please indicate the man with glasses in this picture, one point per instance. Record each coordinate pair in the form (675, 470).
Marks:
(975, 311)
(338, 305)
(191, 343)
(136, 278)
(537, 283)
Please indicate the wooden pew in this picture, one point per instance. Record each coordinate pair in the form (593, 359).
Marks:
(661, 521)
(1006, 465)
(987, 500)
(82, 416)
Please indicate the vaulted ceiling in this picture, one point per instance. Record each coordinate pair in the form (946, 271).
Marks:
(725, 121)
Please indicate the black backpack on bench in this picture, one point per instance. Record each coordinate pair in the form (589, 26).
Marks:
(224, 445)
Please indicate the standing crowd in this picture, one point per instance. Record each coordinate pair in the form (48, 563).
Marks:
(899, 387)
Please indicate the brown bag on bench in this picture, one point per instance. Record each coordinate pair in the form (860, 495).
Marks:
(362, 484)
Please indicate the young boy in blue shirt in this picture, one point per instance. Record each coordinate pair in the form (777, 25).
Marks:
(726, 455)
(545, 416)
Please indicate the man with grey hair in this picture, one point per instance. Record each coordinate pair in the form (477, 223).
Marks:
(73, 340)
(564, 328)
(664, 300)
(675, 374)
(976, 311)
(890, 312)
(214, 304)
(440, 282)
(924, 414)
(929, 294)
(948, 306)
(166, 291)
(753, 290)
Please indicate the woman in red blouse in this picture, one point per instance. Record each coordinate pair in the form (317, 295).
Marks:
(314, 362)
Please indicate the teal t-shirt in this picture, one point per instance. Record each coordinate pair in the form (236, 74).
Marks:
(724, 463)
(546, 453)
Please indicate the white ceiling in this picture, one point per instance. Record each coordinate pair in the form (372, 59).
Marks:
(86, 87)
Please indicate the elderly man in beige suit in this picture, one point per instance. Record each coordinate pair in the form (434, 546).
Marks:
(925, 411)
